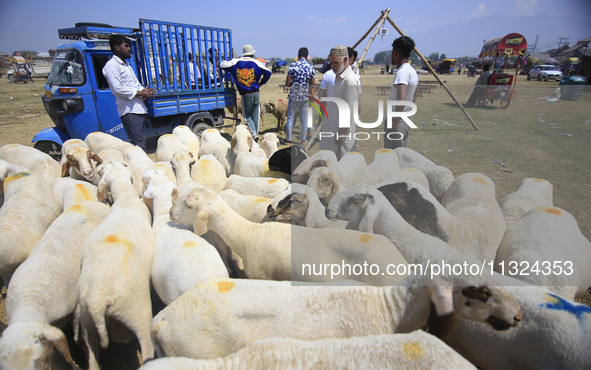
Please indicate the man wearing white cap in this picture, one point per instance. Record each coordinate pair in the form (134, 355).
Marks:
(346, 87)
(249, 75)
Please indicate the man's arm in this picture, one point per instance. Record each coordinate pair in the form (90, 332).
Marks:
(119, 88)
(400, 92)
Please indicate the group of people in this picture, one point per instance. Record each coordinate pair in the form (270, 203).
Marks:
(340, 81)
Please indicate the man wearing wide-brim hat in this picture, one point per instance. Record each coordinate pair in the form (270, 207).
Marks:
(249, 75)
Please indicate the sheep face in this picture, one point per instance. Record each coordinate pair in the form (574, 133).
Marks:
(80, 158)
(292, 208)
(30, 345)
(322, 181)
(492, 305)
(192, 209)
(355, 205)
(181, 157)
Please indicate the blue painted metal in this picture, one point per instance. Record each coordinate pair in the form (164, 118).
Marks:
(160, 60)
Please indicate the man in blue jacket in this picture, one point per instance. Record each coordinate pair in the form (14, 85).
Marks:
(249, 75)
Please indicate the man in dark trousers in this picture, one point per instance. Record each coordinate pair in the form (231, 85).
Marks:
(249, 75)
(129, 93)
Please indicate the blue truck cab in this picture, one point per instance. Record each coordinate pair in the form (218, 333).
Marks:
(79, 101)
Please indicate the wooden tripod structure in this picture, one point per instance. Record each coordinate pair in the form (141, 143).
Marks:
(376, 26)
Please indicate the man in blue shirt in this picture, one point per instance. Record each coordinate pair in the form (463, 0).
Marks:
(300, 76)
(249, 75)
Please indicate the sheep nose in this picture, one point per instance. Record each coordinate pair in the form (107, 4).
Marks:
(87, 171)
(331, 213)
(517, 317)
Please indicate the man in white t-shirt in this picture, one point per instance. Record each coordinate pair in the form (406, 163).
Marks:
(404, 87)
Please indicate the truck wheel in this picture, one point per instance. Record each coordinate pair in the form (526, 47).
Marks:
(198, 128)
(12, 79)
(49, 147)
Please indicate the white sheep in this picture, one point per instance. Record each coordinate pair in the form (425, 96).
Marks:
(181, 258)
(351, 161)
(51, 270)
(368, 210)
(188, 138)
(77, 161)
(384, 165)
(415, 350)
(138, 163)
(212, 320)
(440, 178)
(110, 155)
(33, 159)
(168, 145)
(469, 218)
(212, 142)
(554, 334)
(28, 210)
(542, 238)
(265, 187)
(123, 245)
(407, 174)
(209, 172)
(167, 168)
(269, 143)
(248, 163)
(251, 207)
(266, 248)
(98, 141)
(301, 206)
(531, 193)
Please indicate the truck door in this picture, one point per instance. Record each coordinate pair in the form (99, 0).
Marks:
(106, 107)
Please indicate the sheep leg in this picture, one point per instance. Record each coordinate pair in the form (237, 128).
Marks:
(91, 338)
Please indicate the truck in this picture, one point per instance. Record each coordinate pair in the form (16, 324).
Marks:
(19, 71)
(79, 101)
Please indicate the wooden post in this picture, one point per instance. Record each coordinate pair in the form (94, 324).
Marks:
(369, 30)
(434, 74)
(375, 32)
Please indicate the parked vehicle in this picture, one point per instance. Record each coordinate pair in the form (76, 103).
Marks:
(79, 101)
(21, 70)
(447, 66)
(544, 72)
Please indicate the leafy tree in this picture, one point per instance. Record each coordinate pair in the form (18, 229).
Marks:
(28, 54)
(443, 56)
(414, 58)
(318, 60)
(433, 56)
(383, 57)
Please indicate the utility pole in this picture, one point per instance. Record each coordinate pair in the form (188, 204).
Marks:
(561, 43)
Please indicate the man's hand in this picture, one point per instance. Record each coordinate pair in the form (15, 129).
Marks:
(147, 92)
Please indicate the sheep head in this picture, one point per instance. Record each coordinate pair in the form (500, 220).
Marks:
(192, 209)
(356, 205)
(323, 182)
(30, 345)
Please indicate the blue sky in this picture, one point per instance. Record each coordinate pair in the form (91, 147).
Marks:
(457, 28)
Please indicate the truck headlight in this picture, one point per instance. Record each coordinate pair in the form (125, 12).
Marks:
(72, 105)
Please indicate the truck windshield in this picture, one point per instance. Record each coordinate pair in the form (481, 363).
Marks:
(67, 69)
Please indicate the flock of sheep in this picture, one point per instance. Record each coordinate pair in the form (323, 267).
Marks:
(220, 231)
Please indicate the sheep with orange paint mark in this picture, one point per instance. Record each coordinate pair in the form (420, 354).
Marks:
(266, 248)
(531, 193)
(122, 244)
(415, 350)
(212, 142)
(181, 258)
(265, 187)
(213, 320)
(33, 159)
(546, 247)
(209, 172)
(77, 161)
(28, 210)
(51, 270)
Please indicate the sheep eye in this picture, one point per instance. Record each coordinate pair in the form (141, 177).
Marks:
(468, 303)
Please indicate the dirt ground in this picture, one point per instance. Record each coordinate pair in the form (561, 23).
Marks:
(533, 137)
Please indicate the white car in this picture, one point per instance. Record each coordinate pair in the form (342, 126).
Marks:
(544, 72)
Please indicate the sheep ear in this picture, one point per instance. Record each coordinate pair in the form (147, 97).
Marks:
(250, 140)
(368, 220)
(66, 169)
(318, 163)
(200, 223)
(96, 158)
(442, 317)
(101, 191)
(59, 341)
(175, 194)
(482, 293)
(232, 144)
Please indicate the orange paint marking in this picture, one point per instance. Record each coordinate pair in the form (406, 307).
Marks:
(189, 244)
(225, 286)
(365, 238)
(481, 180)
(552, 211)
(272, 181)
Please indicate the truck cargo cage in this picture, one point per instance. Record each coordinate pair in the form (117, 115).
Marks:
(165, 48)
